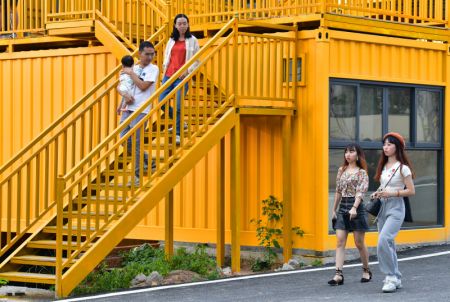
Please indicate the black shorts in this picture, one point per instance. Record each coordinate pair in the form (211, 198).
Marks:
(343, 222)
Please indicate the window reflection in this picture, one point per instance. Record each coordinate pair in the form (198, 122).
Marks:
(343, 112)
(427, 116)
(399, 110)
(370, 111)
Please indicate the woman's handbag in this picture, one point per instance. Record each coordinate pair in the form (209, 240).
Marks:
(374, 205)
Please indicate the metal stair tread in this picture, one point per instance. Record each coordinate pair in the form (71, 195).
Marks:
(37, 260)
(28, 277)
(49, 244)
(91, 213)
(75, 229)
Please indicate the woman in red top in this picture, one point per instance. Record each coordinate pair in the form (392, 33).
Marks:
(182, 46)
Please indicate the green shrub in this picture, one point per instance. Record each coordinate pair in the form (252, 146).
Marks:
(269, 232)
(145, 260)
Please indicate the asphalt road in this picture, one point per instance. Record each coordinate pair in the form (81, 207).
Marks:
(425, 279)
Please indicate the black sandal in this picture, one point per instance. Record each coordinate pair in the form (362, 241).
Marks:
(334, 282)
(366, 270)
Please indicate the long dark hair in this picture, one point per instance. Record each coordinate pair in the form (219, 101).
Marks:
(361, 159)
(175, 33)
(400, 154)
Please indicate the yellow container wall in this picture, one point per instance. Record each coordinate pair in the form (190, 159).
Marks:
(381, 59)
(341, 55)
(36, 87)
(195, 196)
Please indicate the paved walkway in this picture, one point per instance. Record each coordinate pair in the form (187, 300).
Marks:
(424, 279)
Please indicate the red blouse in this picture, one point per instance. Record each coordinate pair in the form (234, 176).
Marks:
(177, 58)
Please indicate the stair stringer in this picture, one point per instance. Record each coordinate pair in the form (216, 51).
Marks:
(94, 255)
(104, 35)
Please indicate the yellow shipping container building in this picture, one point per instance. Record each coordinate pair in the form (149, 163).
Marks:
(281, 87)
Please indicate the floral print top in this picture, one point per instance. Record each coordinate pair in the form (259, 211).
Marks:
(352, 184)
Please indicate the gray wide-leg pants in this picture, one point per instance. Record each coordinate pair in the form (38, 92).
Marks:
(390, 220)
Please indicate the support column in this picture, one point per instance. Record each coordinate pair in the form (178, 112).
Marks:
(220, 213)
(168, 223)
(446, 142)
(319, 139)
(235, 198)
(287, 187)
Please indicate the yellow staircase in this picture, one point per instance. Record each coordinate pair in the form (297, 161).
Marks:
(90, 201)
(120, 25)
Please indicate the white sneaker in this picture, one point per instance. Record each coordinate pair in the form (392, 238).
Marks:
(398, 284)
(136, 182)
(390, 284)
(185, 126)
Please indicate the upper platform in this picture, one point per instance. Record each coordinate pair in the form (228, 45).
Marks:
(28, 24)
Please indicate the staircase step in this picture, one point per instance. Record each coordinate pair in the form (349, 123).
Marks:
(84, 214)
(50, 245)
(37, 260)
(28, 277)
(101, 199)
(75, 230)
(119, 172)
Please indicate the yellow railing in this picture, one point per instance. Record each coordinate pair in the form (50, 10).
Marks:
(28, 192)
(69, 10)
(137, 18)
(132, 20)
(28, 17)
(211, 89)
(205, 11)
(407, 11)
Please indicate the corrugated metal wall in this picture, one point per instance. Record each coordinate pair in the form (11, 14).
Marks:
(36, 87)
(47, 84)
(387, 59)
(343, 55)
(195, 196)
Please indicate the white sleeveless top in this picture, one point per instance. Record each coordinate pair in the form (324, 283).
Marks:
(398, 180)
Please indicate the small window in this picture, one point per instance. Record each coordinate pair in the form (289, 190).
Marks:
(287, 70)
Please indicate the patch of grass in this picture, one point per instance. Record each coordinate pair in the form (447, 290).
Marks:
(316, 263)
(145, 260)
(3, 282)
(261, 264)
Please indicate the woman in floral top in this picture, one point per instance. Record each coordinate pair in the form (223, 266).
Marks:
(351, 184)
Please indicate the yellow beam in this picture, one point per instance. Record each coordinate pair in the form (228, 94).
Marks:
(287, 187)
(265, 111)
(447, 143)
(70, 31)
(235, 200)
(168, 244)
(220, 213)
(387, 28)
(319, 116)
(104, 35)
(69, 24)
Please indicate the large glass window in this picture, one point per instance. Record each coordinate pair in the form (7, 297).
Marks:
(373, 109)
